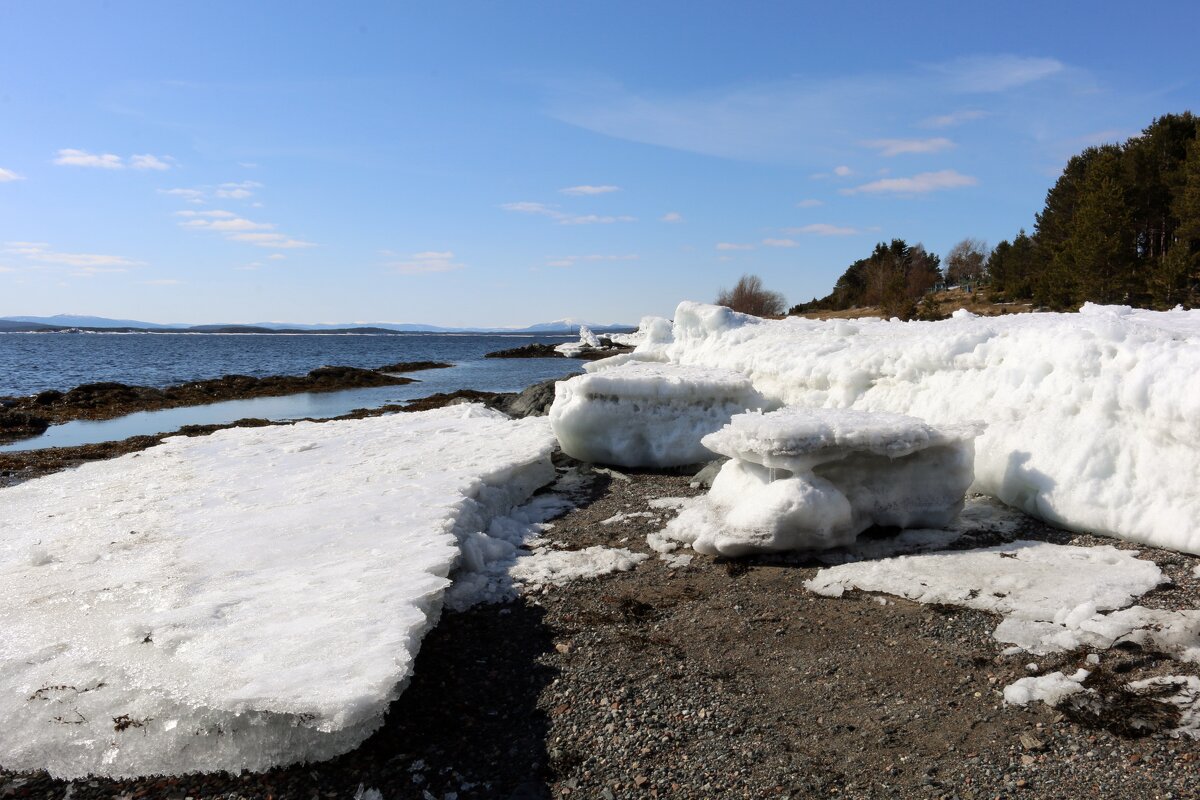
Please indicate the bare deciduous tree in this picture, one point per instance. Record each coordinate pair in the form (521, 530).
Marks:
(749, 297)
(966, 260)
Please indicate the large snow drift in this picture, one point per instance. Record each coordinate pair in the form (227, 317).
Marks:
(643, 413)
(241, 600)
(812, 479)
(1093, 418)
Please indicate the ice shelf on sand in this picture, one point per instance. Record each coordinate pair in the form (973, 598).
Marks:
(645, 413)
(1053, 597)
(812, 479)
(246, 599)
(1093, 418)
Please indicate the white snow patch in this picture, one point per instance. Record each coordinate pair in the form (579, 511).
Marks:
(557, 567)
(646, 414)
(626, 516)
(246, 599)
(1051, 688)
(1051, 595)
(1093, 418)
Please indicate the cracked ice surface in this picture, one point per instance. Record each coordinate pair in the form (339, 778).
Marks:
(246, 599)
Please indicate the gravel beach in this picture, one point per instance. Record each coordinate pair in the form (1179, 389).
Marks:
(722, 678)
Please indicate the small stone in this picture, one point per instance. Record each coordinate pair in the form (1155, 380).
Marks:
(564, 647)
(640, 780)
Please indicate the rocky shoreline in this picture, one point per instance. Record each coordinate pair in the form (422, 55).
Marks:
(536, 350)
(718, 678)
(24, 417)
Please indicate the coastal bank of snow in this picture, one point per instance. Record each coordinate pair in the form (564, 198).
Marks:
(1092, 418)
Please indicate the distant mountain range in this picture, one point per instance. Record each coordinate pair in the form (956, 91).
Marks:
(69, 321)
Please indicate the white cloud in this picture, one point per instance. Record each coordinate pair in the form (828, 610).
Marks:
(276, 257)
(191, 195)
(810, 203)
(561, 217)
(40, 253)
(277, 240)
(780, 243)
(147, 161)
(997, 73)
(82, 158)
(7, 175)
(823, 229)
(426, 263)
(586, 190)
(954, 118)
(671, 216)
(237, 191)
(896, 147)
(842, 171)
(918, 184)
(161, 282)
(734, 246)
(569, 261)
(232, 224)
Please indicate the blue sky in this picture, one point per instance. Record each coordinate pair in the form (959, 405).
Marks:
(507, 163)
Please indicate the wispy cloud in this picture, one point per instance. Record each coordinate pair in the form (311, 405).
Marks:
(823, 229)
(896, 147)
(7, 175)
(430, 261)
(997, 73)
(570, 261)
(41, 253)
(734, 246)
(161, 282)
(954, 118)
(804, 117)
(810, 202)
(147, 161)
(82, 158)
(278, 241)
(780, 243)
(237, 191)
(562, 217)
(671, 216)
(923, 183)
(276, 257)
(191, 195)
(70, 157)
(587, 190)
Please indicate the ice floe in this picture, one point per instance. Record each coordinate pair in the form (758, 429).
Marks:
(242, 600)
(813, 479)
(1093, 418)
(647, 414)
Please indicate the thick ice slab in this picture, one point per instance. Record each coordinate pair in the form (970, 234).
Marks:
(645, 413)
(1093, 418)
(812, 479)
(246, 599)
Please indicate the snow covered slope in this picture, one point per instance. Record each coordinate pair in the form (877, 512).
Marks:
(240, 600)
(1093, 418)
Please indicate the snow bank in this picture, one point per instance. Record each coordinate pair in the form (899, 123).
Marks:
(812, 479)
(241, 600)
(1093, 418)
(646, 414)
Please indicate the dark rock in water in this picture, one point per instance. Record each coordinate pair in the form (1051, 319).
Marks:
(547, 351)
(412, 366)
(534, 401)
(21, 425)
(29, 416)
(534, 350)
(494, 400)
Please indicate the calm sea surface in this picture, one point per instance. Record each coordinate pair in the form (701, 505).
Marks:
(31, 363)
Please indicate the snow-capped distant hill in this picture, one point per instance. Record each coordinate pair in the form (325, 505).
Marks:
(82, 321)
